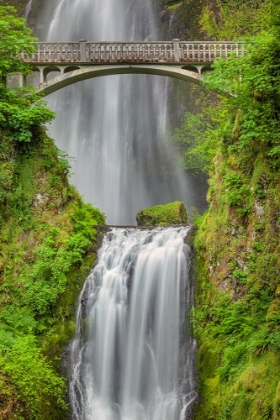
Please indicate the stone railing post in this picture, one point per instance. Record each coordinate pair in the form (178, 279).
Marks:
(83, 50)
(176, 47)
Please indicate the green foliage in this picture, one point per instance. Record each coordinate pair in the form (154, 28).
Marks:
(246, 120)
(34, 377)
(15, 38)
(232, 19)
(253, 81)
(85, 218)
(21, 111)
(236, 190)
(232, 359)
(21, 115)
(235, 339)
(240, 275)
(46, 279)
(46, 237)
(197, 133)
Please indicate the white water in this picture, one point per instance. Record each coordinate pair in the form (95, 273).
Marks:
(127, 361)
(28, 9)
(115, 126)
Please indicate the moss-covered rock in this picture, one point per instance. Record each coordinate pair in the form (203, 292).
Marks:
(162, 215)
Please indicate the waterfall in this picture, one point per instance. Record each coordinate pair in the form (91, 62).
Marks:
(28, 9)
(115, 127)
(132, 357)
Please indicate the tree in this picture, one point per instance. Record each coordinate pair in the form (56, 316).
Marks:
(22, 112)
(14, 38)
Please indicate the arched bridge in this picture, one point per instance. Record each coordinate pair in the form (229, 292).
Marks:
(83, 60)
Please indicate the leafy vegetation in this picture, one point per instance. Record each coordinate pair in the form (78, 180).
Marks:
(47, 235)
(199, 137)
(21, 111)
(232, 19)
(15, 37)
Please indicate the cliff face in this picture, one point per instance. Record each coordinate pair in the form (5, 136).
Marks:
(48, 241)
(238, 299)
(237, 303)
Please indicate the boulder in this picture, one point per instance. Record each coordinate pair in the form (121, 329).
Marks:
(162, 215)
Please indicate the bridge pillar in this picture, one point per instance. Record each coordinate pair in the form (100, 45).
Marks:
(83, 50)
(42, 76)
(199, 68)
(176, 44)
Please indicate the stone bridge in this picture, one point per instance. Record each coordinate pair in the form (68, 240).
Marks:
(76, 61)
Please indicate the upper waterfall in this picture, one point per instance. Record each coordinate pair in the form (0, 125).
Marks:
(115, 127)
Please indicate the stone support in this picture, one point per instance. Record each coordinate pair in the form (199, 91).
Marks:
(176, 48)
(42, 77)
(83, 58)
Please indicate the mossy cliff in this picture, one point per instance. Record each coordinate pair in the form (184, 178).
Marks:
(238, 301)
(47, 240)
(237, 315)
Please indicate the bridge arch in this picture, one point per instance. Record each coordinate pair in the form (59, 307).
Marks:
(71, 68)
(50, 69)
(75, 74)
(76, 61)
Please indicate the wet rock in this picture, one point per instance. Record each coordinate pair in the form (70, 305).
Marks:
(40, 199)
(241, 264)
(259, 210)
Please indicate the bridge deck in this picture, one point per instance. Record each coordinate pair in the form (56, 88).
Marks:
(132, 52)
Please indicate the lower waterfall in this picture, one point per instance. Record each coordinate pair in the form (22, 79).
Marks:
(132, 356)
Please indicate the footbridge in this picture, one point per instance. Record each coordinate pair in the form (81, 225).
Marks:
(76, 61)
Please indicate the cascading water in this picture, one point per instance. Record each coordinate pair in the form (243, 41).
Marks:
(28, 8)
(132, 358)
(115, 127)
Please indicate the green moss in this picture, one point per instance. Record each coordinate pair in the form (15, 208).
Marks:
(18, 4)
(167, 214)
(237, 300)
(174, 6)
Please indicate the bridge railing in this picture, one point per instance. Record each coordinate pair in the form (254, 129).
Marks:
(130, 52)
(208, 51)
(136, 52)
(54, 52)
